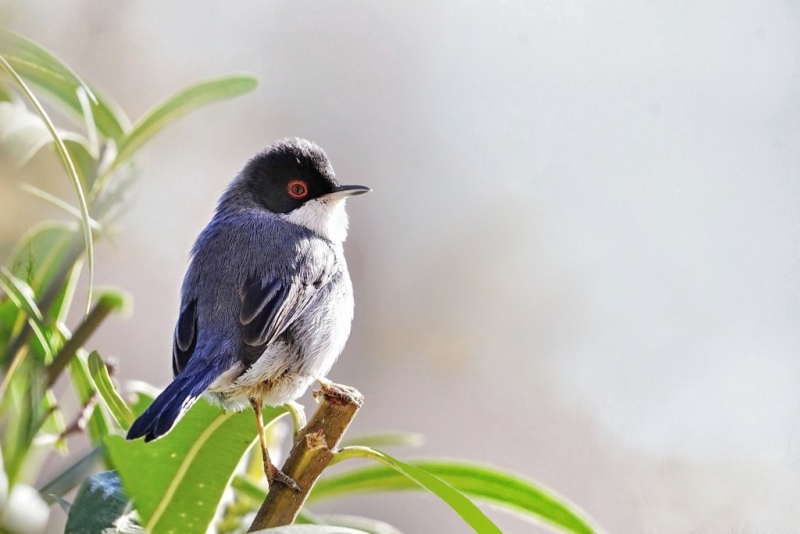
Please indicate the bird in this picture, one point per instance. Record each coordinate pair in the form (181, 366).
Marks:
(267, 300)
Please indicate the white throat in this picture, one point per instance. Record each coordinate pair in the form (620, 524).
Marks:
(326, 218)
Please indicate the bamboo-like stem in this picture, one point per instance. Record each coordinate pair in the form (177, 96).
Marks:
(312, 452)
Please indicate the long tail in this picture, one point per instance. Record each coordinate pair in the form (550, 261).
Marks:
(173, 403)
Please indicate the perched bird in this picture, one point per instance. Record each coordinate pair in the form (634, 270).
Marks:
(266, 303)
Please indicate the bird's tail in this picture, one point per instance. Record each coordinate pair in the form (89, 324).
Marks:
(173, 403)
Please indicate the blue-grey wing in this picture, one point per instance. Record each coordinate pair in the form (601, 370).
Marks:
(269, 306)
(185, 339)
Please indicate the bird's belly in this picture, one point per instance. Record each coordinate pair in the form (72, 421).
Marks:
(288, 367)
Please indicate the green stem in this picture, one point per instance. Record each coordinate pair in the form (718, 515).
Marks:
(97, 315)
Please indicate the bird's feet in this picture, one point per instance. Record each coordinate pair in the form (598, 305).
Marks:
(276, 475)
(338, 392)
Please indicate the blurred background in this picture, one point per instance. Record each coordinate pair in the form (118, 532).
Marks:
(581, 261)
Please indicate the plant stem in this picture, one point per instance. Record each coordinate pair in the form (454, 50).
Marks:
(312, 452)
(97, 315)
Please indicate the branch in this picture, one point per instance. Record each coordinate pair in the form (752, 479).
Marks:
(312, 452)
(105, 305)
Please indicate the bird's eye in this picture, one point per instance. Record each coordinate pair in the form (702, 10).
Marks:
(297, 189)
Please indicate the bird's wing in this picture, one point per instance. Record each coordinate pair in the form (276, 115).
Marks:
(185, 337)
(270, 305)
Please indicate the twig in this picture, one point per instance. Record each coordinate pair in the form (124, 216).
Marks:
(312, 452)
(105, 305)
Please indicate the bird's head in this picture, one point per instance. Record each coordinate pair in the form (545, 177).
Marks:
(293, 179)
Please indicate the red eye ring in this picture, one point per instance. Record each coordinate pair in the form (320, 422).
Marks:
(297, 189)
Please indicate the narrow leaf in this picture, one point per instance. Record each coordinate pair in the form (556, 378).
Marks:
(368, 525)
(471, 514)
(23, 134)
(37, 257)
(70, 168)
(386, 439)
(310, 529)
(22, 295)
(179, 104)
(504, 490)
(46, 71)
(102, 380)
(98, 426)
(58, 203)
(177, 482)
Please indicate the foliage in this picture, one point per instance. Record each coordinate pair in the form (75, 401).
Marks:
(206, 470)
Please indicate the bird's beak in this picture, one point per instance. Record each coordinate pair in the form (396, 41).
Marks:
(344, 191)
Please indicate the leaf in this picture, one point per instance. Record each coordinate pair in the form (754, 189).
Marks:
(310, 529)
(22, 295)
(144, 395)
(9, 315)
(177, 481)
(60, 308)
(504, 490)
(98, 426)
(54, 424)
(43, 69)
(5, 94)
(100, 505)
(386, 439)
(471, 514)
(23, 133)
(85, 163)
(371, 526)
(179, 104)
(37, 257)
(102, 380)
(63, 503)
(69, 166)
(58, 203)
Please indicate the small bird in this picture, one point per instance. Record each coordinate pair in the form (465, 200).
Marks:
(267, 302)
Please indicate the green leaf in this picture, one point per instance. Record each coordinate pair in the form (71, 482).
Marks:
(501, 489)
(9, 321)
(102, 380)
(100, 505)
(43, 69)
(23, 296)
(144, 395)
(310, 529)
(85, 163)
(386, 439)
(54, 424)
(23, 133)
(69, 166)
(5, 94)
(60, 308)
(471, 514)
(179, 104)
(37, 257)
(370, 526)
(98, 426)
(176, 482)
